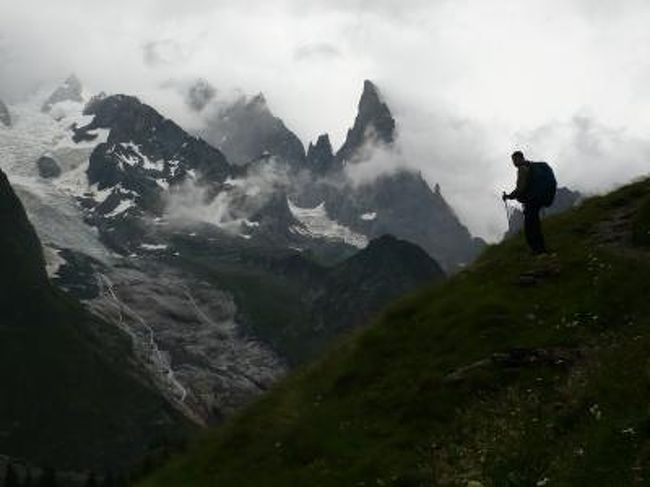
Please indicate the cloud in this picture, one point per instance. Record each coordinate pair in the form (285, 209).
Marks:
(590, 155)
(374, 161)
(316, 52)
(232, 207)
(200, 94)
(163, 52)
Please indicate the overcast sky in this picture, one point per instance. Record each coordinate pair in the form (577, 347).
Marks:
(468, 81)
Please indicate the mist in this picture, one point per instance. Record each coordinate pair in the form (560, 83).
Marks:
(468, 81)
(232, 207)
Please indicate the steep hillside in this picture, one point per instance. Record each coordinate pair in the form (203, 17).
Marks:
(72, 398)
(519, 371)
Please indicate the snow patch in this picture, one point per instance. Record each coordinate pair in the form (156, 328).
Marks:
(316, 223)
(163, 184)
(173, 167)
(100, 195)
(53, 260)
(368, 217)
(146, 246)
(141, 159)
(120, 208)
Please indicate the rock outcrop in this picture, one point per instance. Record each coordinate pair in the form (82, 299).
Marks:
(320, 157)
(48, 168)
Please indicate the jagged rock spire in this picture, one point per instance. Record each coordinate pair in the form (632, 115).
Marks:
(374, 122)
(320, 157)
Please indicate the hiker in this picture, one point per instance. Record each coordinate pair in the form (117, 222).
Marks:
(536, 187)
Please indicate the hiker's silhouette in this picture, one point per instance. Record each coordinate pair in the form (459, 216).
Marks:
(535, 189)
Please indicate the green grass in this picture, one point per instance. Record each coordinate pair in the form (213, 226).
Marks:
(641, 231)
(417, 400)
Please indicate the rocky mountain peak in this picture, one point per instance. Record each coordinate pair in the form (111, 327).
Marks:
(70, 90)
(5, 116)
(247, 129)
(320, 157)
(258, 101)
(145, 154)
(388, 267)
(388, 248)
(374, 122)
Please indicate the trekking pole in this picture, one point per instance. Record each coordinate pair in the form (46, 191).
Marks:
(505, 203)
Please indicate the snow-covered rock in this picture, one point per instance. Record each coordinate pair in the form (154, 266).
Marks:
(316, 223)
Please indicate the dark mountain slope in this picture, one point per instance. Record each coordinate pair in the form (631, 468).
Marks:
(72, 396)
(404, 205)
(518, 371)
(362, 285)
(21, 256)
(344, 296)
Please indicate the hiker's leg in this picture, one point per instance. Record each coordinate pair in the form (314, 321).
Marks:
(540, 234)
(533, 229)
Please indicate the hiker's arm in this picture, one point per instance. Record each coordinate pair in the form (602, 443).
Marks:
(523, 175)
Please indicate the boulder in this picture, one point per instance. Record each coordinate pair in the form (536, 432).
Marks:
(48, 168)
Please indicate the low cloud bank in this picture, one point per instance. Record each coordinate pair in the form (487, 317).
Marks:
(232, 207)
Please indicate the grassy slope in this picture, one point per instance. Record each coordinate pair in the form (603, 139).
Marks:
(397, 404)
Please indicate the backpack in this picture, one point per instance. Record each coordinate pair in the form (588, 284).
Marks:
(542, 185)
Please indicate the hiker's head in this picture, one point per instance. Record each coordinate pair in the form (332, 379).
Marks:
(518, 158)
